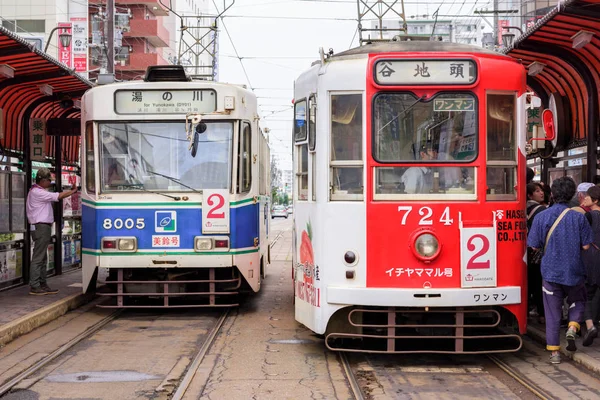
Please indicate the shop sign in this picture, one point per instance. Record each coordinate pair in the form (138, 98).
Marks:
(65, 54)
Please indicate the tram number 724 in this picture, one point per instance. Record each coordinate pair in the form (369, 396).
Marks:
(426, 214)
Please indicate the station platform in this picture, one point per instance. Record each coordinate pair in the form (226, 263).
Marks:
(21, 313)
(588, 357)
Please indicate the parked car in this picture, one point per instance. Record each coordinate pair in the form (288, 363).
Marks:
(290, 209)
(279, 211)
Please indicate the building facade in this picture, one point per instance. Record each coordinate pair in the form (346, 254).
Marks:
(146, 32)
(458, 30)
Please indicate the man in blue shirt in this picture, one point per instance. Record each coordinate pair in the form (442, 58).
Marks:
(563, 271)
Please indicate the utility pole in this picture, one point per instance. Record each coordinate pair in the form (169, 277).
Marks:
(110, 49)
(496, 18)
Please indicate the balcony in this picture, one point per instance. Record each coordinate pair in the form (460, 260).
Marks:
(139, 62)
(150, 29)
(154, 5)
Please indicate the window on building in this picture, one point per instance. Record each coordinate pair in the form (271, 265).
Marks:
(346, 163)
(30, 25)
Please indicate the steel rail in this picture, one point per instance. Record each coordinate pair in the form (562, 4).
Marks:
(354, 386)
(191, 372)
(6, 387)
(523, 380)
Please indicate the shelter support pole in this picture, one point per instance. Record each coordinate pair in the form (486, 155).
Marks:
(58, 211)
(27, 168)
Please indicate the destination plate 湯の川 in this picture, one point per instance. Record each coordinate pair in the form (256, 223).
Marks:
(165, 101)
(425, 72)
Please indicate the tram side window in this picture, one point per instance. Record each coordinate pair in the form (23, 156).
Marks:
(262, 151)
(90, 160)
(346, 147)
(300, 121)
(501, 147)
(302, 174)
(245, 159)
(312, 123)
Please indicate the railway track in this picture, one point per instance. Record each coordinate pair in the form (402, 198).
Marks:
(359, 394)
(193, 368)
(521, 378)
(6, 387)
(179, 391)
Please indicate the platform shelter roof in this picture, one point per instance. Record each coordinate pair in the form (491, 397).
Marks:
(24, 70)
(562, 55)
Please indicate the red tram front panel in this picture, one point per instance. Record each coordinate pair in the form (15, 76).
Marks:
(444, 165)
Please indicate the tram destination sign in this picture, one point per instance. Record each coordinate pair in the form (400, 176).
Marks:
(165, 101)
(425, 72)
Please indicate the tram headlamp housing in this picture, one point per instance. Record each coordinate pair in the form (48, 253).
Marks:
(426, 245)
(203, 244)
(127, 244)
(118, 244)
(211, 243)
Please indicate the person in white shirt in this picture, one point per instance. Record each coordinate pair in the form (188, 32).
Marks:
(41, 217)
(419, 179)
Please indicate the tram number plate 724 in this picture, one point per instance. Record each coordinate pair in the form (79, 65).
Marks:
(426, 215)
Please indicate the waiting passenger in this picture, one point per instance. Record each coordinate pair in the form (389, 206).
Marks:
(562, 234)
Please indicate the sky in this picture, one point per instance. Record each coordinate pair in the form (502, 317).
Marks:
(278, 39)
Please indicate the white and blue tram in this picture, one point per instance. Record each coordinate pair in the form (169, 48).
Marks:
(175, 191)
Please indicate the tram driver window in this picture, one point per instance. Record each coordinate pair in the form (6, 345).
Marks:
(501, 147)
(346, 147)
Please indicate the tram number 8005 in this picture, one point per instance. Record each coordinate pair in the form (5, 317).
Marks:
(128, 223)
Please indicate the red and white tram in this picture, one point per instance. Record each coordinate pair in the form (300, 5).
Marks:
(409, 222)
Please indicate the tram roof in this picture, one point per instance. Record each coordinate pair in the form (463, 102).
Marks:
(415, 46)
(21, 97)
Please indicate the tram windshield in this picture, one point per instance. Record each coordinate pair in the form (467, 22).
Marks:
(155, 156)
(440, 130)
(443, 128)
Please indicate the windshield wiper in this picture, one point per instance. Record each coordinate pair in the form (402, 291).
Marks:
(403, 112)
(174, 180)
(140, 186)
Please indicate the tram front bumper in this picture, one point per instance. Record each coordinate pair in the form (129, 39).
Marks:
(392, 297)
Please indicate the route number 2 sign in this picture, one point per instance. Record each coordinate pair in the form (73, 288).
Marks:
(215, 211)
(478, 257)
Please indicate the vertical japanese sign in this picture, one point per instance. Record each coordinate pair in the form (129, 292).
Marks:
(501, 24)
(533, 118)
(65, 54)
(37, 138)
(79, 43)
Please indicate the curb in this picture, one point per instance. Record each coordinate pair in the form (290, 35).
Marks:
(31, 321)
(579, 357)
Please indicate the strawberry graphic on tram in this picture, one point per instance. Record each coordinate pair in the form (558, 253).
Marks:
(409, 223)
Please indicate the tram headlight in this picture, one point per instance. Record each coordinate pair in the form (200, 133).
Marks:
(203, 244)
(427, 245)
(128, 244)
